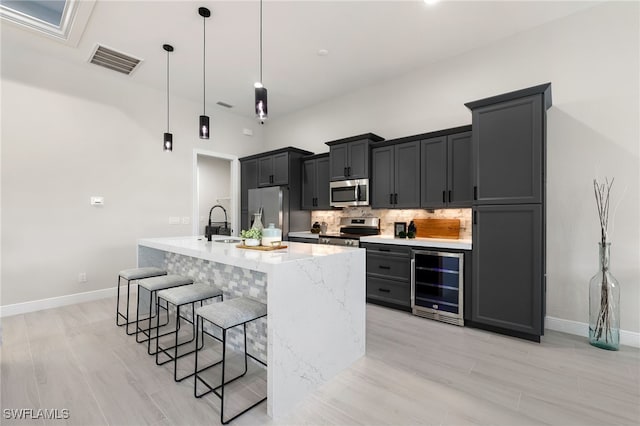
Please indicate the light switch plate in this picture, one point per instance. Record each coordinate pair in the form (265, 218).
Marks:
(97, 201)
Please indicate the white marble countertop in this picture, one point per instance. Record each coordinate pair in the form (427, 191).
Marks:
(304, 234)
(228, 253)
(419, 242)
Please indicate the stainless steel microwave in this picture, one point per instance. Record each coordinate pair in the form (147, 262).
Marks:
(346, 193)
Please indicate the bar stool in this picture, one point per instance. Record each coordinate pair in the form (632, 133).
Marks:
(153, 285)
(179, 297)
(132, 275)
(226, 315)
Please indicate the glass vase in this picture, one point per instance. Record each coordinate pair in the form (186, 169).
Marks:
(604, 304)
(257, 221)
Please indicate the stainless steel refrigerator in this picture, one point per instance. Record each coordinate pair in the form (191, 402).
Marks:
(276, 208)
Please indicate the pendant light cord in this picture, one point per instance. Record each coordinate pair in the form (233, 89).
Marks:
(167, 91)
(260, 41)
(204, 64)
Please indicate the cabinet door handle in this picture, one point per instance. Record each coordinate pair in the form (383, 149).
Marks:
(384, 249)
(384, 290)
(384, 267)
(315, 202)
(345, 172)
(475, 192)
(475, 217)
(443, 200)
(449, 195)
(395, 198)
(349, 171)
(390, 198)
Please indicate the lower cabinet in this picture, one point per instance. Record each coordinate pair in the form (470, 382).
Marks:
(389, 275)
(508, 262)
(303, 240)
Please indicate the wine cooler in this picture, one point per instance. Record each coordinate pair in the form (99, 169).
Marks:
(437, 281)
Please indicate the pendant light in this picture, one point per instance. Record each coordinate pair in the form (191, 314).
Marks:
(204, 119)
(168, 137)
(261, 91)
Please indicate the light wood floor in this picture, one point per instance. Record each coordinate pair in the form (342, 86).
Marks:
(416, 371)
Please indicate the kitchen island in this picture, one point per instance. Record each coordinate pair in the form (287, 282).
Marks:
(315, 296)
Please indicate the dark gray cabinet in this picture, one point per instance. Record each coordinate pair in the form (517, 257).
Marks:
(508, 151)
(281, 167)
(349, 157)
(315, 182)
(273, 170)
(446, 175)
(248, 180)
(509, 138)
(395, 176)
(303, 240)
(507, 284)
(389, 275)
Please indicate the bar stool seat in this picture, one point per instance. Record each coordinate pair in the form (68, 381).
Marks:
(180, 296)
(226, 315)
(233, 312)
(189, 294)
(153, 285)
(141, 273)
(131, 275)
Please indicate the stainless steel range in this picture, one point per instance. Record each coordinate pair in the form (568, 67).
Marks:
(351, 229)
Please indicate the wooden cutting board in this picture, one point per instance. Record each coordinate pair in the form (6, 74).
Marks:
(437, 228)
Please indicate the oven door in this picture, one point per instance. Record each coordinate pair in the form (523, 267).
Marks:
(347, 193)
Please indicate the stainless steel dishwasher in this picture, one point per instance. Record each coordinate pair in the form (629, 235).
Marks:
(437, 281)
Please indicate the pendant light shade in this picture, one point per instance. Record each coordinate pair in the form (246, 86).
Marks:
(261, 103)
(260, 90)
(203, 126)
(167, 140)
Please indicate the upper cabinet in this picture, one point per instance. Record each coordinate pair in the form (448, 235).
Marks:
(248, 180)
(273, 169)
(281, 167)
(315, 182)
(395, 176)
(446, 178)
(508, 141)
(349, 157)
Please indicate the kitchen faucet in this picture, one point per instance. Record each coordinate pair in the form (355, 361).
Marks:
(209, 229)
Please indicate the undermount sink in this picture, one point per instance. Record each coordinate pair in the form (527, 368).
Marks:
(228, 240)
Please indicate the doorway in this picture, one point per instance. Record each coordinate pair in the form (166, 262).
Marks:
(215, 182)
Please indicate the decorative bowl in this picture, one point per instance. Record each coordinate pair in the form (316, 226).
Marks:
(251, 242)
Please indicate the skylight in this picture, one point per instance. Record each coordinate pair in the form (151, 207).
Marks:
(63, 20)
(47, 11)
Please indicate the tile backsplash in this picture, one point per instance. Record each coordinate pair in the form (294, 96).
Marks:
(389, 216)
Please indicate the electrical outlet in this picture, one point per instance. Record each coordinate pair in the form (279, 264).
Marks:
(185, 220)
(174, 220)
(82, 277)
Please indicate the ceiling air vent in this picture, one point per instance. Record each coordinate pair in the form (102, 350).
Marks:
(114, 60)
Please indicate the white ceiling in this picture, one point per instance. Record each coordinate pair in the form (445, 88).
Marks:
(368, 42)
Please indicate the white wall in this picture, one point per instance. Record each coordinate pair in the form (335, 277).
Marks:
(592, 61)
(70, 131)
(214, 187)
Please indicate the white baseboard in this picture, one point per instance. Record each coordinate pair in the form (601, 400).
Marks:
(627, 338)
(55, 302)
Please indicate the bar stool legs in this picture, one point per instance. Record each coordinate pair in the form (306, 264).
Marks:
(153, 285)
(129, 275)
(225, 319)
(188, 296)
